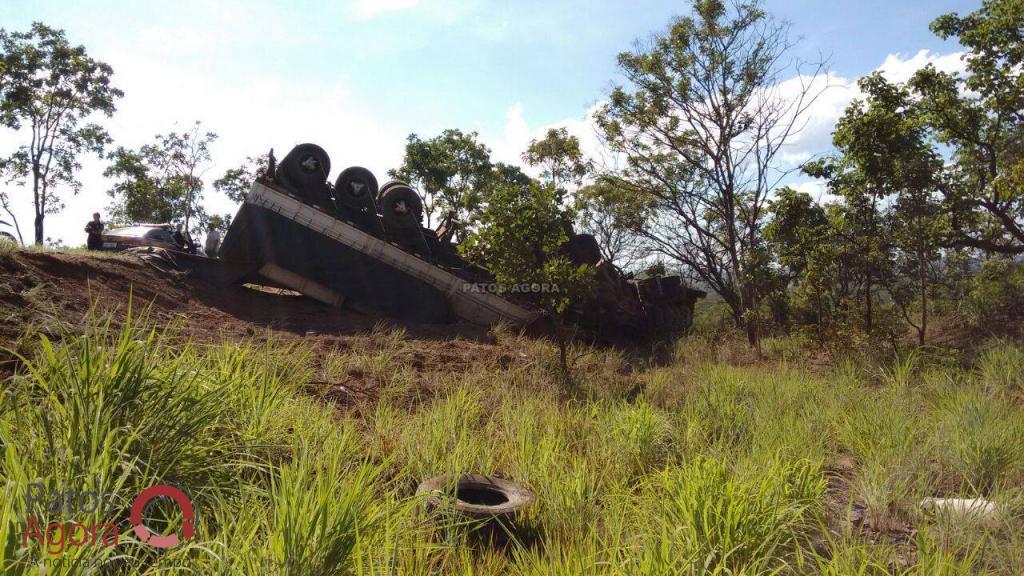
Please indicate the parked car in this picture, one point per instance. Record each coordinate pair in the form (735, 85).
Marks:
(4, 234)
(158, 235)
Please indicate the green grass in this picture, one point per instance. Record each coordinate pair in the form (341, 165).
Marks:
(688, 465)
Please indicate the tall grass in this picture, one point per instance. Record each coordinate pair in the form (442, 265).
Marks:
(678, 465)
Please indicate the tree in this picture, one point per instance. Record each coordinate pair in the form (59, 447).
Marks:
(700, 126)
(884, 154)
(519, 237)
(796, 230)
(559, 155)
(48, 88)
(917, 228)
(980, 116)
(508, 175)
(162, 181)
(450, 171)
(219, 221)
(5, 200)
(605, 211)
(236, 182)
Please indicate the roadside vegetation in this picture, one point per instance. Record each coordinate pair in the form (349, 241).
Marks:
(858, 355)
(692, 460)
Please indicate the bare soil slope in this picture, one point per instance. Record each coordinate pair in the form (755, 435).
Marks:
(45, 289)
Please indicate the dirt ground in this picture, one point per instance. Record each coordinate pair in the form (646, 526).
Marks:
(46, 290)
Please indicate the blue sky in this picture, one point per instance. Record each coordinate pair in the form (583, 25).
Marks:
(358, 76)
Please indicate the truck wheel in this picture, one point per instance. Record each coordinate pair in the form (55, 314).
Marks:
(306, 167)
(387, 186)
(400, 207)
(5, 237)
(355, 186)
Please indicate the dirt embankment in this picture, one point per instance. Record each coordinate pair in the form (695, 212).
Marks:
(47, 290)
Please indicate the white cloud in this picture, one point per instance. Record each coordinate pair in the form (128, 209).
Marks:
(899, 68)
(816, 137)
(250, 117)
(815, 189)
(366, 9)
(831, 95)
(513, 141)
(517, 134)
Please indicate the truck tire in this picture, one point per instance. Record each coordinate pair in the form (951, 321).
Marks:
(477, 496)
(400, 207)
(387, 185)
(305, 168)
(356, 182)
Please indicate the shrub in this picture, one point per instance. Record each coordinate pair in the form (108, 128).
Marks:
(995, 298)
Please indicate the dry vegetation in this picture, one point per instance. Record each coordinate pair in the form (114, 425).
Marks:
(694, 459)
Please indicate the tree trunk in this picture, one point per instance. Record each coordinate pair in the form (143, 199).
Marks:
(38, 205)
(867, 281)
(867, 304)
(922, 277)
(750, 318)
(563, 355)
(39, 229)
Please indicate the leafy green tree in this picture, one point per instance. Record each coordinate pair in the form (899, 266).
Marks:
(5, 200)
(162, 181)
(980, 116)
(519, 237)
(917, 227)
(884, 154)
(795, 233)
(609, 213)
(700, 126)
(236, 182)
(794, 229)
(450, 171)
(559, 156)
(508, 175)
(819, 249)
(48, 88)
(219, 221)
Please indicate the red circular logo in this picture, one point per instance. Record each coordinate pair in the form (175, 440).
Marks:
(188, 516)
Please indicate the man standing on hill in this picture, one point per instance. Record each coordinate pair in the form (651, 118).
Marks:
(94, 229)
(212, 241)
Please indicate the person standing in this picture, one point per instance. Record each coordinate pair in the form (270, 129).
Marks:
(179, 237)
(94, 229)
(212, 241)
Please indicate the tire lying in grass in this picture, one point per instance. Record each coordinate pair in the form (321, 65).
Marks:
(476, 496)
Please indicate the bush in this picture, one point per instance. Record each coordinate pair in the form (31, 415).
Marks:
(995, 298)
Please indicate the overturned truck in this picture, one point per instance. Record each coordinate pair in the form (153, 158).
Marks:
(361, 245)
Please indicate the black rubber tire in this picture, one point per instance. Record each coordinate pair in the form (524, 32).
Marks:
(356, 183)
(505, 497)
(401, 208)
(5, 237)
(389, 184)
(306, 167)
(583, 249)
